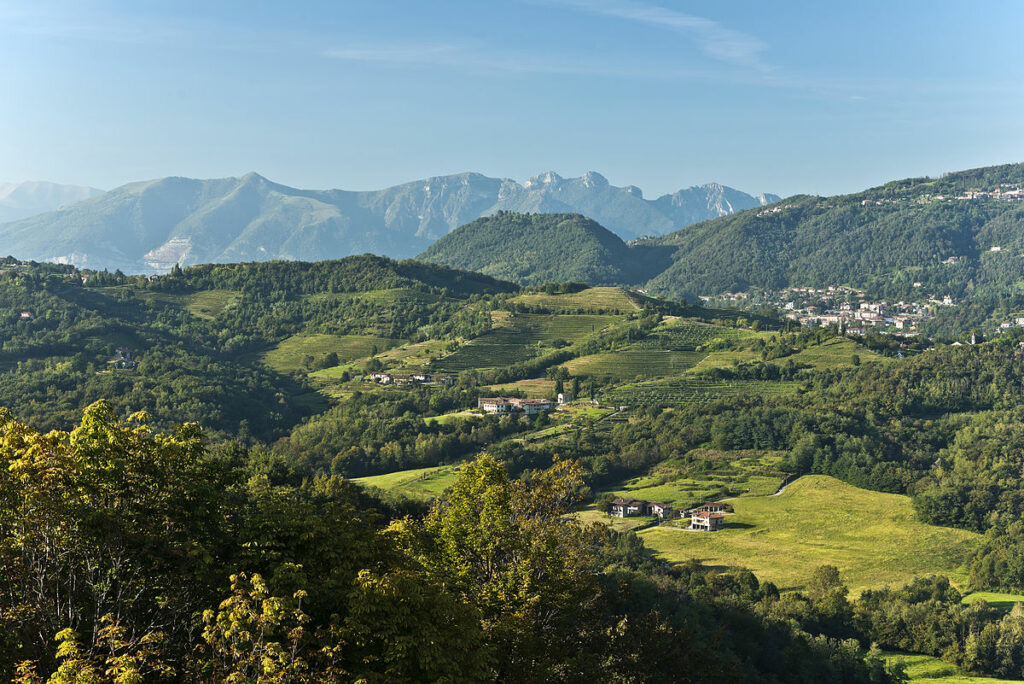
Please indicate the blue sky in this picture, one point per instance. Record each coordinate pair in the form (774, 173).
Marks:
(790, 97)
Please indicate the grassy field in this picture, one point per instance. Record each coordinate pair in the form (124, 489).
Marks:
(630, 363)
(424, 483)
(288, 355)
(873, 538)
(592, 515)
(1003, 602)
(468, 414)
(834, 353)
(208, 303)
(923, 669)
(691, 390)
(594, 299)
(728, 474)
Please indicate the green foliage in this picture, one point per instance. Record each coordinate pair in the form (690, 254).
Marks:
(545, 248)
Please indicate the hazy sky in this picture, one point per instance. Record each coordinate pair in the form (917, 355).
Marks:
(789, 97)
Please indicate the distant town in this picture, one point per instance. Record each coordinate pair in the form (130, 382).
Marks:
(846, 307)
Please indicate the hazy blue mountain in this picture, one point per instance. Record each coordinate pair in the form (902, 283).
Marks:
(149, 226)
(21, 200)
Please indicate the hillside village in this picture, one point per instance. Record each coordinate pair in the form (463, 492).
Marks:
(847, 307)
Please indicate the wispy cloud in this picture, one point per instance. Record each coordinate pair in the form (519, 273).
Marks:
(470, 57)
(713, 39)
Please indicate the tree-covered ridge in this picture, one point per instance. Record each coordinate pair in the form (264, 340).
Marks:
(540, 248)
(958, 235)
(884, 240)
(63, 341)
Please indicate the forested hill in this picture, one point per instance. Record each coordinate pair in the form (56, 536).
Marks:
(543, 248)
(884, 239)
(189, 346)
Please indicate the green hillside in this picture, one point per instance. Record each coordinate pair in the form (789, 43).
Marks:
(883, 239)
(873, 538)
(542, 248)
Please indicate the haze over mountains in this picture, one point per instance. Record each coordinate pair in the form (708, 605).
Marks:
(21, 200)
(149, 226)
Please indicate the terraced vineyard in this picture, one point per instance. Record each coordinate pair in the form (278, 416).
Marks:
(628, 364)
(689, 336)
(594, 299)
(518, 337)
(687, 390)
(400, 294)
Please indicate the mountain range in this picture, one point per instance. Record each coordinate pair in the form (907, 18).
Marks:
(21, 200)
(960, 235)
(150, 226)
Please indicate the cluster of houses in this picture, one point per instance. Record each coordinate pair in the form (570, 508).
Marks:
(843, 306)
(510, 404)
(628, 508)
(707, 517)
(123, 359)
(410, 378)
(1005, 191)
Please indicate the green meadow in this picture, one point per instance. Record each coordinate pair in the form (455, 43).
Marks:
(289, 354)
(423, 483)
(923, 669)
(873, 538)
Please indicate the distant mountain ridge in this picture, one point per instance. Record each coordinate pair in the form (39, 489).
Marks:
(960, 235)
(21, 200)
(151, 225)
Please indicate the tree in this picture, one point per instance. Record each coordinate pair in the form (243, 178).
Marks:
(502, 547)
(109, 518)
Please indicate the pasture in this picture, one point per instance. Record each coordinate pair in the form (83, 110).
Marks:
(1003, 602)
(924, 669)
(873, 538)
(422, 483)
(209, 303)
(720, 474)
(289, 354)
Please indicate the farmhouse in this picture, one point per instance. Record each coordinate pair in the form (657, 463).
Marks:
(706, 521)
(494, 404)
(507, 404)
(627, 508)
(402, 379)
(660, 510)
(712, 507)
